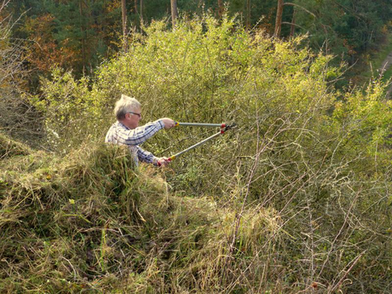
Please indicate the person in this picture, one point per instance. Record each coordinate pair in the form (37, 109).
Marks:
(126, 130)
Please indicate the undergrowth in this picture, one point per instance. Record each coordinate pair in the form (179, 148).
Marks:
(296, 199)
(90, 221)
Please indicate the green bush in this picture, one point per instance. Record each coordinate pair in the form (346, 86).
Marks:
(317, 160)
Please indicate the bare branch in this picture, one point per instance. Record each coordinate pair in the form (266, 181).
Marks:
(299, 6)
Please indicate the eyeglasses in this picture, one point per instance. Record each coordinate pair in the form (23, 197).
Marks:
(138, 114)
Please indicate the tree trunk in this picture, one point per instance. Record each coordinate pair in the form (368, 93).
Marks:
(141, 13)
(174, 12)
(83, 30)
(124, 24)
(248, 14)
(278, 22)
(220, 8)
(292, 29)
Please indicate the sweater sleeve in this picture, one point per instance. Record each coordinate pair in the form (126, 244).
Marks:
(124, 136)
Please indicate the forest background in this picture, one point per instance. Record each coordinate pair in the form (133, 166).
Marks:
(296, 199)
(80, 34)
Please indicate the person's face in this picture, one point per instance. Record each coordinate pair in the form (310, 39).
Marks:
(133, 117)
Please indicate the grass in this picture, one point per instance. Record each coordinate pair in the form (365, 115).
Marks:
(91, 222)
(382, 55)
(368, 68)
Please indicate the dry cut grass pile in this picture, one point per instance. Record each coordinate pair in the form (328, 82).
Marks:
(91, 222)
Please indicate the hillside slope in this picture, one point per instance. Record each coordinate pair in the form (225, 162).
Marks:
(296, 199)
(89, 221)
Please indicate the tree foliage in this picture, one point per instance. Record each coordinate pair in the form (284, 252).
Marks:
(77, 34)
(345, 28)
(18, 118)
(318, 158)
(73, 34)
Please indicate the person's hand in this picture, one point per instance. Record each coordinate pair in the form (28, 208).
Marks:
(163, 161)
(168, 123)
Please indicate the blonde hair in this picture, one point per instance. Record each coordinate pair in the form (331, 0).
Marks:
(124, 105)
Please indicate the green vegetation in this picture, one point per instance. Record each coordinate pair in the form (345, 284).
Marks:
(79, 35)
(382, 56)
(297, 198)
(369, 67)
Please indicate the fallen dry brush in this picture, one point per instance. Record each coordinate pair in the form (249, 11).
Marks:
(292, 219)
(90, 221)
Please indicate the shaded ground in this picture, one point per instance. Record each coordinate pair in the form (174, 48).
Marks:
(384, 67)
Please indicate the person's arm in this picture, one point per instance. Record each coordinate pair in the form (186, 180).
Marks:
(140, 134)
(146, 156)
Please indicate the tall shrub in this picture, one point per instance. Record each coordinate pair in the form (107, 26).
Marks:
(317, 158)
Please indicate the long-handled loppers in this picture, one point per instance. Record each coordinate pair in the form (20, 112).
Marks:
(223, 128)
